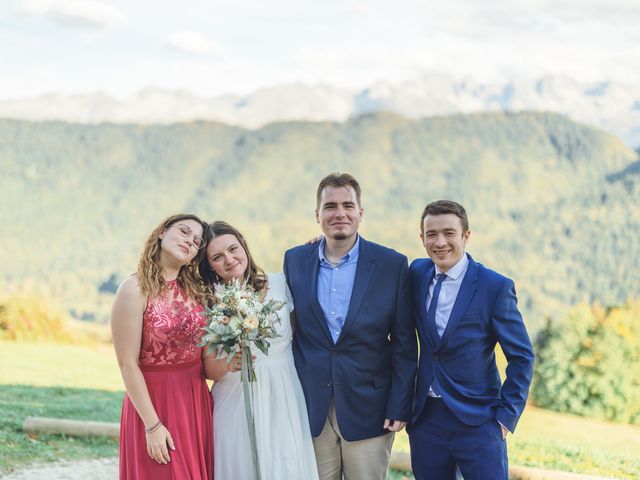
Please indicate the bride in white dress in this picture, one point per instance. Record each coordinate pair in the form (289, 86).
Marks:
(285, 448)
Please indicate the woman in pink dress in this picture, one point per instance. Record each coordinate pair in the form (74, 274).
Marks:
(156, 323)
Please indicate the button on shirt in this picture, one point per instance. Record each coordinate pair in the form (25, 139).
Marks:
(335, 284)
(448, 294)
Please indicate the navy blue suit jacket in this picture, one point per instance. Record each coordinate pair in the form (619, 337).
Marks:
(370, 370)
(463, 360)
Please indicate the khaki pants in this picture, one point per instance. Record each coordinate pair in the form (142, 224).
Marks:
(360, 460)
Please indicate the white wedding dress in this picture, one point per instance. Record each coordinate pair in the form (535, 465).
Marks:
(285, 448)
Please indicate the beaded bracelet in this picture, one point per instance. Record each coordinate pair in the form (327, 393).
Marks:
(154, 428)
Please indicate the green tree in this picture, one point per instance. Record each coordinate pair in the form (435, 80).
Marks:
(588, 363)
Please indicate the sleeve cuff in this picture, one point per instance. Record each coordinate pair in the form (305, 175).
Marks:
(504, 426)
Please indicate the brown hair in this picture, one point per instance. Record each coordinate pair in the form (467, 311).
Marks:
(335, 180)
(443, 207)
(149, 271)
(253, 275)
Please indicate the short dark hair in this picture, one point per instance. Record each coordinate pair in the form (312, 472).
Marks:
(337, 179)
(443, 207)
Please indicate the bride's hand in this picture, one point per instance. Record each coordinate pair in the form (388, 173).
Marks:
(313, 240)
(157, 442)
(235, 365)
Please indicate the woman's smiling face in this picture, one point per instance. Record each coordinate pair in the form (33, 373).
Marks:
(227, 258)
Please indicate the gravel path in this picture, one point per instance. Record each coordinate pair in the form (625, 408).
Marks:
(99, 469)
(107, 469)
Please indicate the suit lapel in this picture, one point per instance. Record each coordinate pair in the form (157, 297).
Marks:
(431, 332)
(364, 273)
(313, 267)
(465, 294)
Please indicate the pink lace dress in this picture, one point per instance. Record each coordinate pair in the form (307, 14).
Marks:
(172, 368)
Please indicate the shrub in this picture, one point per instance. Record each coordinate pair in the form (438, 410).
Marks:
(588, 364)
(31, 318)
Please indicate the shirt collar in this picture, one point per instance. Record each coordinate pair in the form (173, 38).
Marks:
(350, 256)
(458, 269)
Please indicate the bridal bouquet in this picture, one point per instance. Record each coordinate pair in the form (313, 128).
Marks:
(237, 319)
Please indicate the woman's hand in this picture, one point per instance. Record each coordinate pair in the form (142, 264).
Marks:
(157, 442)
(216, 368)
(235, 365)
(313, 240)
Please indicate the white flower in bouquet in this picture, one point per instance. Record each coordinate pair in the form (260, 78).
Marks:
(251, 322)
(235, 324)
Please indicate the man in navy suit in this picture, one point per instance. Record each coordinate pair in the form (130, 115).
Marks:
(354, 344)
(462, 412)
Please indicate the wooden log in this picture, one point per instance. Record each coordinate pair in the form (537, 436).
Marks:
(76, 428)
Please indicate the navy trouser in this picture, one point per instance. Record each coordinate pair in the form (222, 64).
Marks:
(439, 441)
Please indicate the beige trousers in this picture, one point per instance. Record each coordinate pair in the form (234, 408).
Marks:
(360, 460)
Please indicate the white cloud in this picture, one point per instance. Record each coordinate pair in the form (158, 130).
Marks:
(363, 9)
(350, 43)
(75, 13)
(192, 41)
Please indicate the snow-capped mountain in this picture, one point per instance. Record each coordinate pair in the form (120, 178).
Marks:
(611, 106)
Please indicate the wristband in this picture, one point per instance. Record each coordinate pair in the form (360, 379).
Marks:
(154, 428)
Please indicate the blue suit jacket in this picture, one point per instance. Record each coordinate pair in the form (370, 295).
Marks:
(463, 360)
(370, 370)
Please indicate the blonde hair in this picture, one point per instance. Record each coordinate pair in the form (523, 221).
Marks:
(149, 271)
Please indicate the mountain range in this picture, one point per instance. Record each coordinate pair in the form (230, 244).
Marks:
(611, 106)
(552, 203)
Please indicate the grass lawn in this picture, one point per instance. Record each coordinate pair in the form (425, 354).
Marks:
(50, 364)
(20, 401)
(558, 441)
(82, 382)
(52, 380)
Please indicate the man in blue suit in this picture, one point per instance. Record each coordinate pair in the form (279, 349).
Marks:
(354, 343)
(462, 412)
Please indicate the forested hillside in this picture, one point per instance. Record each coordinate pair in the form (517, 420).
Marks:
(552, 203)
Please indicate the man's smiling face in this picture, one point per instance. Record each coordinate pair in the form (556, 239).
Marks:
(444, 240)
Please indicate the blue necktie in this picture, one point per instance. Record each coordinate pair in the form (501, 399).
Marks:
(433, 305)
(431, 318)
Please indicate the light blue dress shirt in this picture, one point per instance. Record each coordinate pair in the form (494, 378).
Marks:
(335, 284)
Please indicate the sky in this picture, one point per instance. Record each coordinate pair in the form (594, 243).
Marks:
(213, 47)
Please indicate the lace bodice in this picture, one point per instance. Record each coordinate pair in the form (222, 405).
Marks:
(171, 328)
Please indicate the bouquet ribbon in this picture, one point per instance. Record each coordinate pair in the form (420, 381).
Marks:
(248, 375)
